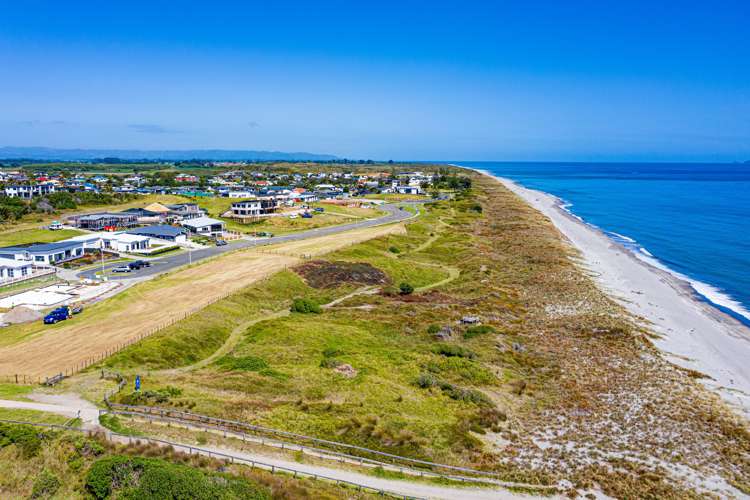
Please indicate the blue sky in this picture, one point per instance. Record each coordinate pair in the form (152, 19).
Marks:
(567, 80)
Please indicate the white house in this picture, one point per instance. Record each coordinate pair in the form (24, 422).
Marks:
(11, 269)
(29, 191)
(204, 226)
(45, 253)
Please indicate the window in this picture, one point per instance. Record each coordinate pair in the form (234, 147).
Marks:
(24, 271)
(39, 258)
(10, 273)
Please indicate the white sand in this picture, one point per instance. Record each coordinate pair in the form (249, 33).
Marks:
(692, 333)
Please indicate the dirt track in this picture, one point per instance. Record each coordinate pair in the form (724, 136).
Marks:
(153, 304)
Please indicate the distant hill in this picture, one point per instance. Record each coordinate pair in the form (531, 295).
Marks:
(49, 154)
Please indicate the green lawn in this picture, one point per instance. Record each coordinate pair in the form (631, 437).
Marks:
(13, 391)
(25, 236)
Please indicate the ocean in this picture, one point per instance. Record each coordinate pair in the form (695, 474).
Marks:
(692, 220)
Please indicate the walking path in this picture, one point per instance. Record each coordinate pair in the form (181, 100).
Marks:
(73, 406)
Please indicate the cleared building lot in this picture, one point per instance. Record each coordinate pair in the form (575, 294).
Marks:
(37, 350)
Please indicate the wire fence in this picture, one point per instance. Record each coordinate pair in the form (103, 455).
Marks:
(390, 459)
(227, 457)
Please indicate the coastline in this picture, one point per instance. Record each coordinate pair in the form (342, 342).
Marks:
(692, 333)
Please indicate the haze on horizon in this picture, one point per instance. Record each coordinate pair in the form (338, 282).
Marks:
(583, 81)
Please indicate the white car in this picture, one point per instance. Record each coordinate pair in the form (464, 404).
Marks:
(122, 269)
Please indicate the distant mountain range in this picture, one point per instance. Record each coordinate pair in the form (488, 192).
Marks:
(38, 153)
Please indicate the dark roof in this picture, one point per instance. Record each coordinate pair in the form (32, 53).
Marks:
(158, 231)
(141, 212)
(42, 247)
(105, 215)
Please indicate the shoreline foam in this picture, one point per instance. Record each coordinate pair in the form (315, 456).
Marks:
(693, 333)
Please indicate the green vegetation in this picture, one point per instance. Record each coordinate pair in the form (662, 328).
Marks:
(11, 238)
(405, 288)
(475, 331)
(306, 306)
(113, 423)
(153, 478)
(15, 208)
(13, 391)
(41, 463)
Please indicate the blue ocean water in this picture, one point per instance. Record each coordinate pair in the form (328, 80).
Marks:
(692, 219)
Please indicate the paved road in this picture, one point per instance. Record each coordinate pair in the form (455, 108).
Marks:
(167, 263)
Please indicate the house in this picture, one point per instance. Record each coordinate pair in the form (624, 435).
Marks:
(116, 242)
(186, 210)
(29, 191)
(12, 269)
(408, 190)
(162, 232)
(99, 221)
(146, 216)
(186, 178)
(240, 194)
(204, 226)
(45, 253)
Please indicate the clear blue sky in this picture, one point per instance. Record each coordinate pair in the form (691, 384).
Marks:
(566, 80)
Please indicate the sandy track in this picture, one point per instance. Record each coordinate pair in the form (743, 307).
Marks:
(154, 304)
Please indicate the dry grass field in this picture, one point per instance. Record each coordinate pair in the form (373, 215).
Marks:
(47, 350)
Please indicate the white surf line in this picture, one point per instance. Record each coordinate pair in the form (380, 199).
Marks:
(692, 333)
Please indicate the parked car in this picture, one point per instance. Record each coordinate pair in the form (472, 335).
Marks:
(122, 269)
(77, 309)
(307, 215)
(319, 209)
(264, 234)
(55, 226)
(220, 243)
(59, 314)
(293, 216)
(137, 264)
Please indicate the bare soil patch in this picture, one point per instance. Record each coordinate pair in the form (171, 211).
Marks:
(325, 274)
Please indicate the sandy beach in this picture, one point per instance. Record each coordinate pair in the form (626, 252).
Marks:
(692, 333)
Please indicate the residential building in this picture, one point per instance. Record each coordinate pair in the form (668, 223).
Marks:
(162, 232)
(204, 226)
(186, 178)
(45, 253)
(12, 269)
(186, 210)
(29, 191)
(100, 221)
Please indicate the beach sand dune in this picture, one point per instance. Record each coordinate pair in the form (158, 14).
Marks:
(691, 332)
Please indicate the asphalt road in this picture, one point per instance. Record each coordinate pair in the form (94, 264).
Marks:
(169, 262)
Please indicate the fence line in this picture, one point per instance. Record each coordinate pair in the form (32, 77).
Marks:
(221, 456)
(166, 413)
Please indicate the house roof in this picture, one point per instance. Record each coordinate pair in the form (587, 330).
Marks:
(201, 222)
(156, 207)
(105, 215)
(41, 247)
(14, 263)
(158, 231)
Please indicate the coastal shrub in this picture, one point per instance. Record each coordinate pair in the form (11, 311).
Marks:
(477, 208)
(306, 306)
(394, 249)
(428, 380)
(158, 396)
(46, 485)
(475, 331)
(451, 350)
(405, 289)
(433, 329)
(152, 479)
(244, 363)
(27, 438)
